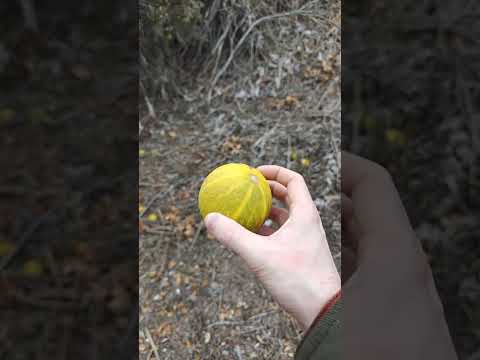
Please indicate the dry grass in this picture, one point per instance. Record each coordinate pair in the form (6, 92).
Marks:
(198, 300)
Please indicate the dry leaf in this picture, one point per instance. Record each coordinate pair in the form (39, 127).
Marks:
(165, 329)
(32, 267)
(5, 247)
(305, 162)
(395, 137)
(184, 194)
(291, 102)
(7, 116)
(152, 217)
(232, 145)
(173, 215)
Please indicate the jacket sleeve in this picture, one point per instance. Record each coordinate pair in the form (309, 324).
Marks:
(323, 340)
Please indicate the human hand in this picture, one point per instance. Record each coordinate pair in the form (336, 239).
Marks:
(294, 263)
(391, 307)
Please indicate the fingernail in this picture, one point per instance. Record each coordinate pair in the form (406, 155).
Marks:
(209, 219)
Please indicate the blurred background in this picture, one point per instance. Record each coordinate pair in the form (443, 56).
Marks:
(68, 200)
(411, 96)
(228, 81)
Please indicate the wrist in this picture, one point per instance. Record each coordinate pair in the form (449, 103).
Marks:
(321, 299)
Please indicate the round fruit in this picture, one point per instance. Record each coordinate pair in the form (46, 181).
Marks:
(238, 191)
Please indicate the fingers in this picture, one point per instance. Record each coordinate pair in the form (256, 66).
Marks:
(349, 263)
(350, 232)
(298, 195)
(278, 215)
(233, 235)
(279, 191)
(376, 205)
(347, 208)
(265, 231)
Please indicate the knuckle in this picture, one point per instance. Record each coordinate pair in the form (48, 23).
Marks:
(312, 215)
(298, 176)
(381, 172)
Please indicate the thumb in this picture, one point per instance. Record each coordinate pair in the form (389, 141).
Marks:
(232, 235)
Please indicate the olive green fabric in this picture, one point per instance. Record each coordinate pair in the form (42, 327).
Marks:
(323, 340)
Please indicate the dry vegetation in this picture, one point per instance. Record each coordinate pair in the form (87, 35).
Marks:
(259, 84)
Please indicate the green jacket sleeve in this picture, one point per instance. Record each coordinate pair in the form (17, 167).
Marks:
(323, 340)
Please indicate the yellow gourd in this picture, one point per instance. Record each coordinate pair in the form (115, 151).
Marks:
(238, 191)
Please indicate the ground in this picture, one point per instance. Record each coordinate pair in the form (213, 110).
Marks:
(197, 299)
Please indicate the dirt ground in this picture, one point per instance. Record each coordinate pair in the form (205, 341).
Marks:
(197, 299)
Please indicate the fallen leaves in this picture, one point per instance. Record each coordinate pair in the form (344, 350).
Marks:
(173, 215)
(38, 116)
(165, 329)
(226, 313)
(305, 162)
(6, 247)
(395, 137)
(152, 217)
(322, 72)
(232, 145)
(7, 116)
(288, 103)
(187, 226)
(184, 194)
(32, 267)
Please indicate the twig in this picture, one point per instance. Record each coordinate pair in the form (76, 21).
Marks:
(218, 48)
(253, 329)
(160, 231)
(151, 110)
(27, 235)
(227, 64)
(197, 234)
(145, 184)
(266, 313)
(238, 352)
(154, 198)
(222, 323)
(152, 344)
